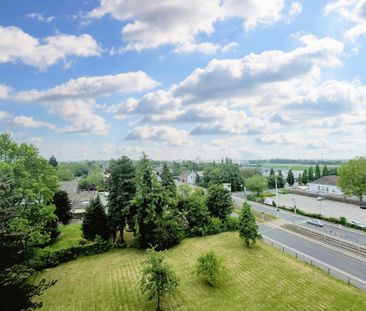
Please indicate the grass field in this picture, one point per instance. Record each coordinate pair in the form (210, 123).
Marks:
(70, 235)
(260, 278)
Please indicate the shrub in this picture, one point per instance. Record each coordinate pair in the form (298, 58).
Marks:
(210, 267)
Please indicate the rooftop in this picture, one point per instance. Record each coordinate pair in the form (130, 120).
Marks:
(326, 180)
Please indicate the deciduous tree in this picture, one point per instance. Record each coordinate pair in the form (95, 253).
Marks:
(256, 184)
(248, 228)
(352, 177)
(210, 267)
(219, 201)
(158, 279)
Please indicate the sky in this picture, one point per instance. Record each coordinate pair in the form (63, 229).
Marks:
(178, 79)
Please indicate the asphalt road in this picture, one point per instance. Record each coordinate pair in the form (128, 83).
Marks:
(342, 262)
(351, 235)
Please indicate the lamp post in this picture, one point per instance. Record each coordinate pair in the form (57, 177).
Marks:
(320, 199)
(278, 211)
(293, 200)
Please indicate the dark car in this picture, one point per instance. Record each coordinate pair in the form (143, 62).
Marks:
(363, 205)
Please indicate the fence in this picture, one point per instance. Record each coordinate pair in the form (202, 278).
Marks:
(330, 270)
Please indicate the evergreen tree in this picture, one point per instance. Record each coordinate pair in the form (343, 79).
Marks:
(63, 206)
(317, 171)
(271, 172)
(299, 179)
(95, 221)
(325, 171)
(248, 228)
(167, 180)
(219, 201)
(158, 279)
(304, 177)
(311, 176)
(290, 178)
(121, 186)
(52, 161)
(280, 173)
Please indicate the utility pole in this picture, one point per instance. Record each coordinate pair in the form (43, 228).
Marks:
(278, 211)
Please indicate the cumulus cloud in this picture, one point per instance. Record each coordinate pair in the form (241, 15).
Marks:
(162, 133)
(16, 45)
(75, 100)
(30, 122)
(149, 24)
(294, 11)
(232, 78)
(353, 11)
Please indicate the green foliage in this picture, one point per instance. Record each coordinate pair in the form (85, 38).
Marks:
(210, 267)
(290, 178)
(63, 207)
(256, 184)
(247, 172)
(158, 279)
(94, 181)
(311, 175)
(53, 162)
(304, 177)
(325, 171)
(192, 204)
(65, 174)
(352, 177)
(248, 228)
(219, 201)
(95, 221)
(272, 181)
(317, 172)
(121, 186)
(167, 181)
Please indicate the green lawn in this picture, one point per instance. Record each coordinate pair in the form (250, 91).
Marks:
(260, 278)
(70, 235)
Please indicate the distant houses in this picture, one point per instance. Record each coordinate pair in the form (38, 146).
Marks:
(190, 178)
(326, 185)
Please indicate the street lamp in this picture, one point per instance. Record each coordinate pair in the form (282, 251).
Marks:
(320, 199)
(293, 200)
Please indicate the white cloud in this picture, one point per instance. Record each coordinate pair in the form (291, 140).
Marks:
(294, 11)
(40, 17)
(353, 11)
(166, 134)
(75, 100)
(30, 122)
(4, 91)
(233, 78)
(205, 48)
(151, 24)
(17, 45)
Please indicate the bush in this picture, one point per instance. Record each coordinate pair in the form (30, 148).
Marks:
(210, 267)
(230, 224)
(48, 258)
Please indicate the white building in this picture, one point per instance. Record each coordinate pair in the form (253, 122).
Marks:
(325, 185)
(188, 177)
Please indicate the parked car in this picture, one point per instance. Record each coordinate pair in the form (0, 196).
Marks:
(363, 205)
(315, 222)
(358, 224)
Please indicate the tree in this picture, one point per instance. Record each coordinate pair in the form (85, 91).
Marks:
(219, 201)
(53, 162)
(271, 172)
(95, 221)
(256, 184)
(352, 177)
(311, 176)
(121, 186)
(158, 279)
(65, 174)
(63, 206)
(167, 180)
(325, 171)
(27, 185)
(192, 204)
(153, 210)
(299, 179)
(317, 171)
(290, 178)
(248, 228)
(210, 267)
(304, 177)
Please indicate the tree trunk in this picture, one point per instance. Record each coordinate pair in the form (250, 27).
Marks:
(158, 308)
(121, 228)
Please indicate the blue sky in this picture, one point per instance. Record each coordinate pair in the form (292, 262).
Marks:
(199, 79)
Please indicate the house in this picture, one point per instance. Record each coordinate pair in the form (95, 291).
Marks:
(188, 178)
(325, 185)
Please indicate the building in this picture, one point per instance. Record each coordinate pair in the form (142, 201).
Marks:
(326, 185)
(188, 178)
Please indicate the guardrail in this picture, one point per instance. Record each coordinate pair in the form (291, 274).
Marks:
(330, 270)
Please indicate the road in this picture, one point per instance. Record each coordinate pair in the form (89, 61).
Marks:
(351, 235)
(329, 256)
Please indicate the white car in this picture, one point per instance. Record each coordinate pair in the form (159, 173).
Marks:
(315, 222)
(358, 224)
